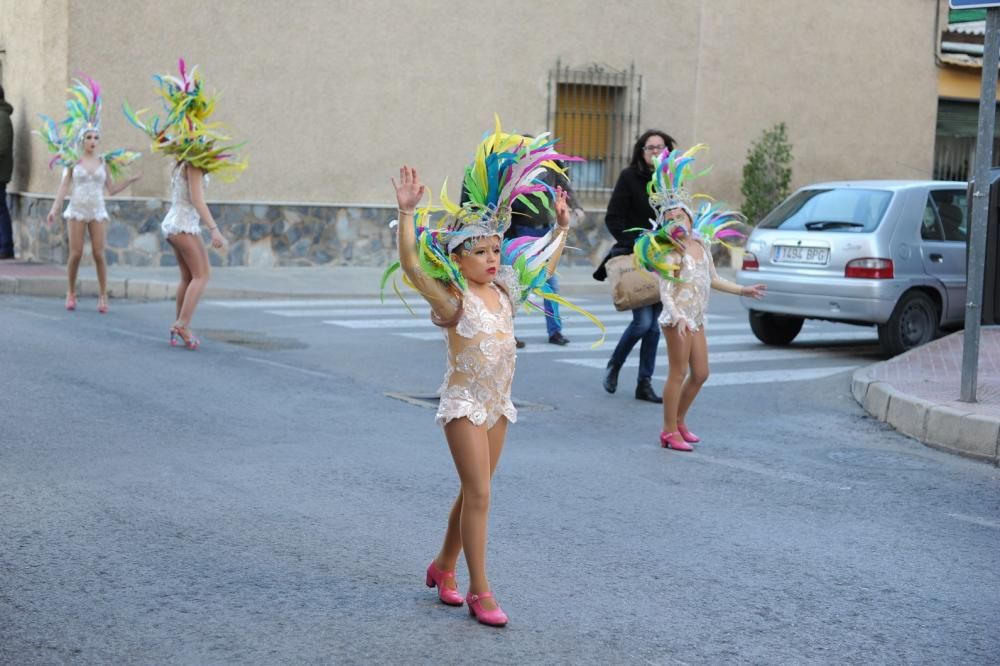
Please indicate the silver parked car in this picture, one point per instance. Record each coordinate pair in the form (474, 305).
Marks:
(889, 253)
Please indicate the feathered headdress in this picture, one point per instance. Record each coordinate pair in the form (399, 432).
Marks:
(668, 188)
(185, 133)
(668, 191)
(506, 167)
(83, 115)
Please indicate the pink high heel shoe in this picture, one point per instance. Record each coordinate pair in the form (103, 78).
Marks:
(688, 436)
(436, 578)
(494, 618)
(673, 440)
(180, 334)
(71, 301)
(102, 304)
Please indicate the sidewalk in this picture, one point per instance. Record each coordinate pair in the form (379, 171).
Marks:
(917, 393)
(159, 283)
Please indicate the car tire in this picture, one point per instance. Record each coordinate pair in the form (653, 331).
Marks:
(913, 322)
(773, 329)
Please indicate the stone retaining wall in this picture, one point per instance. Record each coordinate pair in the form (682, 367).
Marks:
(257, 234)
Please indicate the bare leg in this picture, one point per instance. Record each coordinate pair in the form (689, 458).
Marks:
(98, 234)
(470, 449)
(182, 286)
(678, 355)
(75, 230)
(698, 376)
(192, 252)
(447, 558)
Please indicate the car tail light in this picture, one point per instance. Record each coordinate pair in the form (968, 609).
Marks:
(878, 269)
(750, 262)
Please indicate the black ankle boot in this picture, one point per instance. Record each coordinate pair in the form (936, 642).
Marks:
(611, 377)
(644, 391)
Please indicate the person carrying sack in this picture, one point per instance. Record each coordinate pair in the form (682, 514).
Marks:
(628, 213)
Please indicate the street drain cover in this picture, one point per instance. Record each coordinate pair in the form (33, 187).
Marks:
(879, 459)
(251, 340)
(431, 402)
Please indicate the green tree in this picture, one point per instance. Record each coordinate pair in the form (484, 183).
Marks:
(767, 173)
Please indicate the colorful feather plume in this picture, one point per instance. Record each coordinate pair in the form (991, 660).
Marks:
(715, 224)
(672, 173)
(185, 133)
(83, 114)
(505, 168)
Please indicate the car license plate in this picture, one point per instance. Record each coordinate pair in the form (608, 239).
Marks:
(795, 254)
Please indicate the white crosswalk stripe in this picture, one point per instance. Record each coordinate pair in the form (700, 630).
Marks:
(734, 350)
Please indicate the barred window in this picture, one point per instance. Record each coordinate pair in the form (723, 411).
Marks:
(595, 113)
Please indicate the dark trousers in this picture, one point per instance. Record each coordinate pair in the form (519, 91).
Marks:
(6, 228)
(644, 327)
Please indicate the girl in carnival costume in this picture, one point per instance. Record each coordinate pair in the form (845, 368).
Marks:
(87, 175)
(474, 283)
(677, 250)
(197, 149)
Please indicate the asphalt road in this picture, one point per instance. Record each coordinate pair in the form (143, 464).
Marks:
(262, 501)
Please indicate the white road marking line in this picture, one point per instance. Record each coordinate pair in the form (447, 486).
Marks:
(164, 339)
(976, 520)
(36, 314)
(285, 366)
(747, 356)
(762, 470)
(524, 329)
(770, 376)
(302, 302)
(588, 334)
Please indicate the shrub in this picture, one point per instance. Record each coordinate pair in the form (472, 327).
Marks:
(767, 173)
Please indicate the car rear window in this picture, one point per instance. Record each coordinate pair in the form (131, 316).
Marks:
(836, 209)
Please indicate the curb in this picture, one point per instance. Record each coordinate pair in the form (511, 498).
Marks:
(937, 426)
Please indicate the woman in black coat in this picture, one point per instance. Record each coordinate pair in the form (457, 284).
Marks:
(629, 209)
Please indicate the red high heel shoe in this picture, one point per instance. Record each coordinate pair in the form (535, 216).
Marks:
(494, 618)
(688, 436)
(102, 304)
(436, 578)
(71, 301)
(673, 440)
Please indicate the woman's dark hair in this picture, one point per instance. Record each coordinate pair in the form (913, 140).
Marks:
(637, 159)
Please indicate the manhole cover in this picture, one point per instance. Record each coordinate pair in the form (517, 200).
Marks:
(431, 402)
(879, 459)
(251, 340)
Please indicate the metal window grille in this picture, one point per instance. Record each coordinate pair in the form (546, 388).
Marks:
(955, 144)
(595, 113)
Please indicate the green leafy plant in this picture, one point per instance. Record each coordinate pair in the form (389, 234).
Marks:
(767, 173)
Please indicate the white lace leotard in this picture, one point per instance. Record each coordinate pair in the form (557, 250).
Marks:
(688, 300)
(86, 201)
(182, 218)
(481, 355)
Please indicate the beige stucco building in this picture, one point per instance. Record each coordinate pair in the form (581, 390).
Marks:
(332, 95)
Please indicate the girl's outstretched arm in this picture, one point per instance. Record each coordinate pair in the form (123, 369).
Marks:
(56, 209)
(114, 188)
(409, 192)
(753, 291)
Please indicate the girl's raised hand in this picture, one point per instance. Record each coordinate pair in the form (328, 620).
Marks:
(562, 208)
(755, 291)
(409, 190)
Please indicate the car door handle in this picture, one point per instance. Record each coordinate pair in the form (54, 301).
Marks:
(937, 258)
